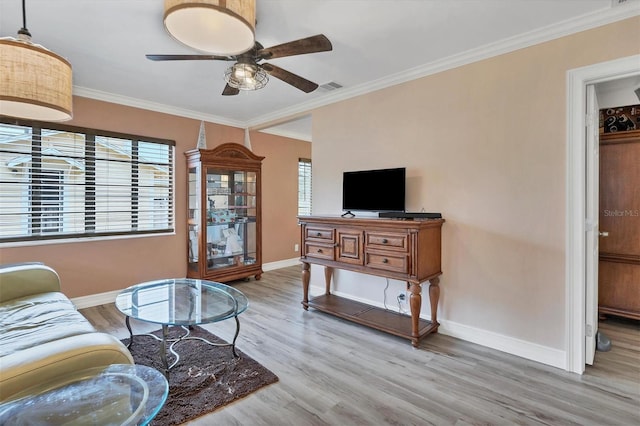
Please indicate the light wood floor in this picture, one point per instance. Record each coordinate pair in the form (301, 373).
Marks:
(333, 372)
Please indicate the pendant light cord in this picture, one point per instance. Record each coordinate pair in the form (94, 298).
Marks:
(24, 29)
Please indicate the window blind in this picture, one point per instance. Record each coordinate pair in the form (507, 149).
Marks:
(304, 187)
(67, 182)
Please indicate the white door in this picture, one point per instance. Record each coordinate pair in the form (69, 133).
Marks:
(592, 213)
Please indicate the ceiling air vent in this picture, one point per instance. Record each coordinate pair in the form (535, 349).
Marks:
(332, 85)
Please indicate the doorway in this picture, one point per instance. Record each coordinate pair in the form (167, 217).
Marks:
(579, 231)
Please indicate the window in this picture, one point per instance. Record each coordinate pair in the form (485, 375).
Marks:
(67, 182)
(304, 186)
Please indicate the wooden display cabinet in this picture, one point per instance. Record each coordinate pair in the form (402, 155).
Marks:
(406, 250)
(224, 213)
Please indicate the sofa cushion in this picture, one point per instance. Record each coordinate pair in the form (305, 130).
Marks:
(30, 321)
(58, 359)
(26, 279)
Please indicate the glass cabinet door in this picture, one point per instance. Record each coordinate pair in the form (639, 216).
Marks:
(193, 219)
(230, 218)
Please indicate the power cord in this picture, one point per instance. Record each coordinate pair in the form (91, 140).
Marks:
(399, 299)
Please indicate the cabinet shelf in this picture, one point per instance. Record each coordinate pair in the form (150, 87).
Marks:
(225, 256)
(234, 222)
(371, 316)
(231, 194)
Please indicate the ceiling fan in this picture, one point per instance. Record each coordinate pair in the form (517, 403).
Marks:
(248, 73)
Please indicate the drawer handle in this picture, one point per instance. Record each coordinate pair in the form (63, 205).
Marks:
(385, 260)
(384, 241)
(319, 250)
(318, 234)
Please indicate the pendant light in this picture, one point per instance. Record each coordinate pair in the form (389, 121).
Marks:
(222, 27)
(35, 83)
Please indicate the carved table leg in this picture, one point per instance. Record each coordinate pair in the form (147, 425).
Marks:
(415, 303)
(328, 273)
(434, 296)
(305, 284)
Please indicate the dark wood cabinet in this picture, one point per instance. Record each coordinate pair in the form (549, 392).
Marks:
(224, 213)
(619, 223)
(406, 250)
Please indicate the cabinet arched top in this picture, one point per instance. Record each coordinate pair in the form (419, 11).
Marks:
(229, 150)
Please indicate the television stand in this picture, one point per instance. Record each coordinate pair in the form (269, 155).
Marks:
(347, 214)
(402, 250)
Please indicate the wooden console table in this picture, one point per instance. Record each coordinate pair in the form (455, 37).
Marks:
(406, 250)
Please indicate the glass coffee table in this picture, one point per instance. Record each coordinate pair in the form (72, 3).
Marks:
(119, 394)
(181, 302)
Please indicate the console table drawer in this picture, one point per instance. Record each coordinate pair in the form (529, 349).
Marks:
(320, 251)
(319, 233)
(387, 241)
(393, 263)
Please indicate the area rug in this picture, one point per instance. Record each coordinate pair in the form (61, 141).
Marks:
(206, 377)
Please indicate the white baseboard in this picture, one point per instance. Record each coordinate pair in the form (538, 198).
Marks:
(511, 345)
(508, 344)
(95, 299)
(110, 296)
(281, 264)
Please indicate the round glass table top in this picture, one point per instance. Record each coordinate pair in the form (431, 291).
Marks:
(119, 394)
(181, 301)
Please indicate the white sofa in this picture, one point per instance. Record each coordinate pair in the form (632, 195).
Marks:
(42, 335)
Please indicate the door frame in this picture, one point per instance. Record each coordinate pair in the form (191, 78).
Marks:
(576, 186)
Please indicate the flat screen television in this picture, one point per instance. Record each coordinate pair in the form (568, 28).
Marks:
(381, 190)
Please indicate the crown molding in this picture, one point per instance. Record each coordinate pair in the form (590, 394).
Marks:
(287, 134)
(541, 35)
(153, 106)
(551, 32)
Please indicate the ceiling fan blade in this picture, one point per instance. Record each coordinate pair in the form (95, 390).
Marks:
(317, 43)
(230, 91)
(190, 58)
(290, 78)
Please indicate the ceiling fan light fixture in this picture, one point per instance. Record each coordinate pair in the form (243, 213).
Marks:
(36, 83)
(245, 76)
(223, 27)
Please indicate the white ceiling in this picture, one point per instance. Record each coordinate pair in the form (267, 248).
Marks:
(376, 43)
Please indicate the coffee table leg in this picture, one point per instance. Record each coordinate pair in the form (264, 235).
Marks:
(126, 321)
(233, 344)
(163, 350)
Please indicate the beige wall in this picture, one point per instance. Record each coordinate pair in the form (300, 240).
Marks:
(93, 267)
(279, 193)
(485, 145)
